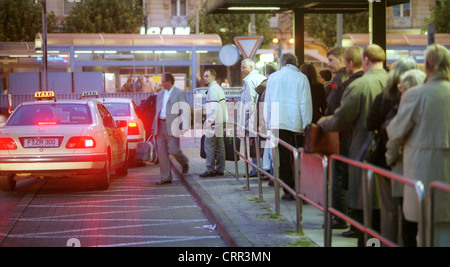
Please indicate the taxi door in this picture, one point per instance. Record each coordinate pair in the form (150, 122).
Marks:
(114, 136)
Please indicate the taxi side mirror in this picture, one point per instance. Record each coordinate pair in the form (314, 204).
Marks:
(121, 123)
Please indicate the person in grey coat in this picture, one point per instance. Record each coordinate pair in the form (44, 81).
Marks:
(352, 113)
(422, 127)
(172, 111)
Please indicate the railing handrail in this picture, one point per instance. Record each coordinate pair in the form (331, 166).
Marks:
(369, 169)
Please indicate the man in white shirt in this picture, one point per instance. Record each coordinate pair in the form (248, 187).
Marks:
(249, 97)
(166, 126)
(216, 119)
(289, 109)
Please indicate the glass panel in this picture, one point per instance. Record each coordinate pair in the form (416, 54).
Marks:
(396, 10)
(51, 114)
(118, 109)
(406, 10)
(183, 8)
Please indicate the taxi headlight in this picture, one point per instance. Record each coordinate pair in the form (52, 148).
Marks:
(80, 142)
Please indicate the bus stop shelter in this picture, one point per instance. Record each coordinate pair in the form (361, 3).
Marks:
(376, 8)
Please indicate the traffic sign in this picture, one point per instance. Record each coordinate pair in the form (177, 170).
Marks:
(248, 44)
(229, 55)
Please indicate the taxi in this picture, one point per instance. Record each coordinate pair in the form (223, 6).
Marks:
(65, 137)
(125, 111)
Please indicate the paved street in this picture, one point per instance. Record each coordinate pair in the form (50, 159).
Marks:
(190, 212)
(132, 212)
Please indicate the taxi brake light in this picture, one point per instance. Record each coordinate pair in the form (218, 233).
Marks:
(7, 144)
(133, 128)
(47, 123)
(80, 142)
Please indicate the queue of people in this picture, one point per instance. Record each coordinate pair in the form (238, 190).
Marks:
(406, 107)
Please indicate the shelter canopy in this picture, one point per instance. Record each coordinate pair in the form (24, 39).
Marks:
(311, 6)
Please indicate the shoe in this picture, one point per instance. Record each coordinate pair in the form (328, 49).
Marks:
(164, 182)
(207, 174)
(287, 196)
(252, 174)
(350, 233)
(219, 173)
(185, 169)
(270, 183)
(338, 225)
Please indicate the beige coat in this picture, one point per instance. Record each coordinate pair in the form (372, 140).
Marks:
(422, 126)
(352, 113)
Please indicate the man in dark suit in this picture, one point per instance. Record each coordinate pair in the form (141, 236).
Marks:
(172, 119)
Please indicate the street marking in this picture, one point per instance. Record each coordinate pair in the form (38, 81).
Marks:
(110, 212)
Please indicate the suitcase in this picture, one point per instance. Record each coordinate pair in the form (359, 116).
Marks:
(229, 152)
(146, 151)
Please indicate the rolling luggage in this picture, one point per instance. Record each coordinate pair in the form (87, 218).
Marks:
(146, 151)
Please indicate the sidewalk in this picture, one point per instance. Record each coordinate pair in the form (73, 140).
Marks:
(241, 218)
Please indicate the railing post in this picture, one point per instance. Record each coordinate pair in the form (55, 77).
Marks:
(420, 192)
(276, 185)
(328, 193)
(236, 167)
(258, 162)
(298, 200)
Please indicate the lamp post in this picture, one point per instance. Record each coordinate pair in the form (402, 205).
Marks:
(44, 43)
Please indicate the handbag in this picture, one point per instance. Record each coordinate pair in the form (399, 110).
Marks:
(228, 142)
(369, 150)
(318, 141)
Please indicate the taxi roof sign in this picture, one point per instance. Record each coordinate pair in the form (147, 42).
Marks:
(44, 94)
(89, 93)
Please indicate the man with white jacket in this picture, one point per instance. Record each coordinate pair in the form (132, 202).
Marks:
(249, 98)
(289, 109)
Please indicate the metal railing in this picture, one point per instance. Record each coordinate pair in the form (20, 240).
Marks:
(367, 192)
(425, 199)
(432, 187)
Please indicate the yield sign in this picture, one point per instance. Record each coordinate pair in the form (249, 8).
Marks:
(248, 44)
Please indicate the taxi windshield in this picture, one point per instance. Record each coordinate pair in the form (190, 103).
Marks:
(51, 114)
(118, 109)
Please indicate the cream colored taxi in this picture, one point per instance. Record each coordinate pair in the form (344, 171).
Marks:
(124, 111)
(51, 137)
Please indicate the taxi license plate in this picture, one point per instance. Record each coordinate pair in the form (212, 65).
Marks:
(37, 142)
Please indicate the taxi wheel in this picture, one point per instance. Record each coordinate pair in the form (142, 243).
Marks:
(103, 180)
(7, 183)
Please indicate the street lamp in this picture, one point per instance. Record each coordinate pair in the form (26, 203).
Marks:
(278, 41)
(44, 43)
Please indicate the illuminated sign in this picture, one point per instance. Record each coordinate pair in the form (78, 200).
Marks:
(166, 31)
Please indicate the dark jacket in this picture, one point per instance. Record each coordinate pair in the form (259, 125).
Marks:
(319, 101)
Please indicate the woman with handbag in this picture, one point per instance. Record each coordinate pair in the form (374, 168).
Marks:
(380, 108)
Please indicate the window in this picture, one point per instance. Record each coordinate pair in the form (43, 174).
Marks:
(108, 120)
(51, 114)
(179, 8)
(402, 10)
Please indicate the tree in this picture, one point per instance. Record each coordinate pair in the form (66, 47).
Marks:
(105, 16)
(21, 20)
(227, 26)
(440, 17)
(323, 26)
